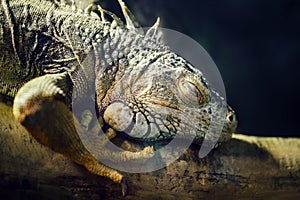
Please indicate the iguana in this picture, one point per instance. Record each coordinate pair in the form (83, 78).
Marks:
(53, 56)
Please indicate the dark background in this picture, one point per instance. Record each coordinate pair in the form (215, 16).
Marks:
(256, 46)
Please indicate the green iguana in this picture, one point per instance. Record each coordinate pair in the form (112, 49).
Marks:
(53, 56)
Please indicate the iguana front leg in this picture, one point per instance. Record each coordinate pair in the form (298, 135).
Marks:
(38, 107)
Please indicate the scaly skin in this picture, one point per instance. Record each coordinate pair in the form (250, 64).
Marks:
(52, 56)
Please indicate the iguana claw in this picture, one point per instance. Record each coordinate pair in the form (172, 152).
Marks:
(124, 187)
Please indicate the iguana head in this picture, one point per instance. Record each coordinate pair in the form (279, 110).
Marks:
(150, 93)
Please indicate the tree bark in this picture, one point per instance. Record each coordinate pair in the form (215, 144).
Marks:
(246, 167)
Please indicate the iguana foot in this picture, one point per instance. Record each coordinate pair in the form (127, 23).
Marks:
(96, 142)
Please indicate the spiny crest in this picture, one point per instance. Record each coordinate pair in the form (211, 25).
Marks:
(131, 22)
(150, 39)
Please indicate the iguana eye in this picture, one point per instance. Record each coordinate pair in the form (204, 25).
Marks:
(190, 92)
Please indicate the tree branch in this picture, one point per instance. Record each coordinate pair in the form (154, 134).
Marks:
(245, 167)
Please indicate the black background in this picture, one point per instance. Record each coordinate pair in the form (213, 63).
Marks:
(256, 46)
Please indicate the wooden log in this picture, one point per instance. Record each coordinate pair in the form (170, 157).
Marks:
(246, 167)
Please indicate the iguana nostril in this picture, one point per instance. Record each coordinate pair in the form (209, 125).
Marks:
(230, 117)
(231, 120)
